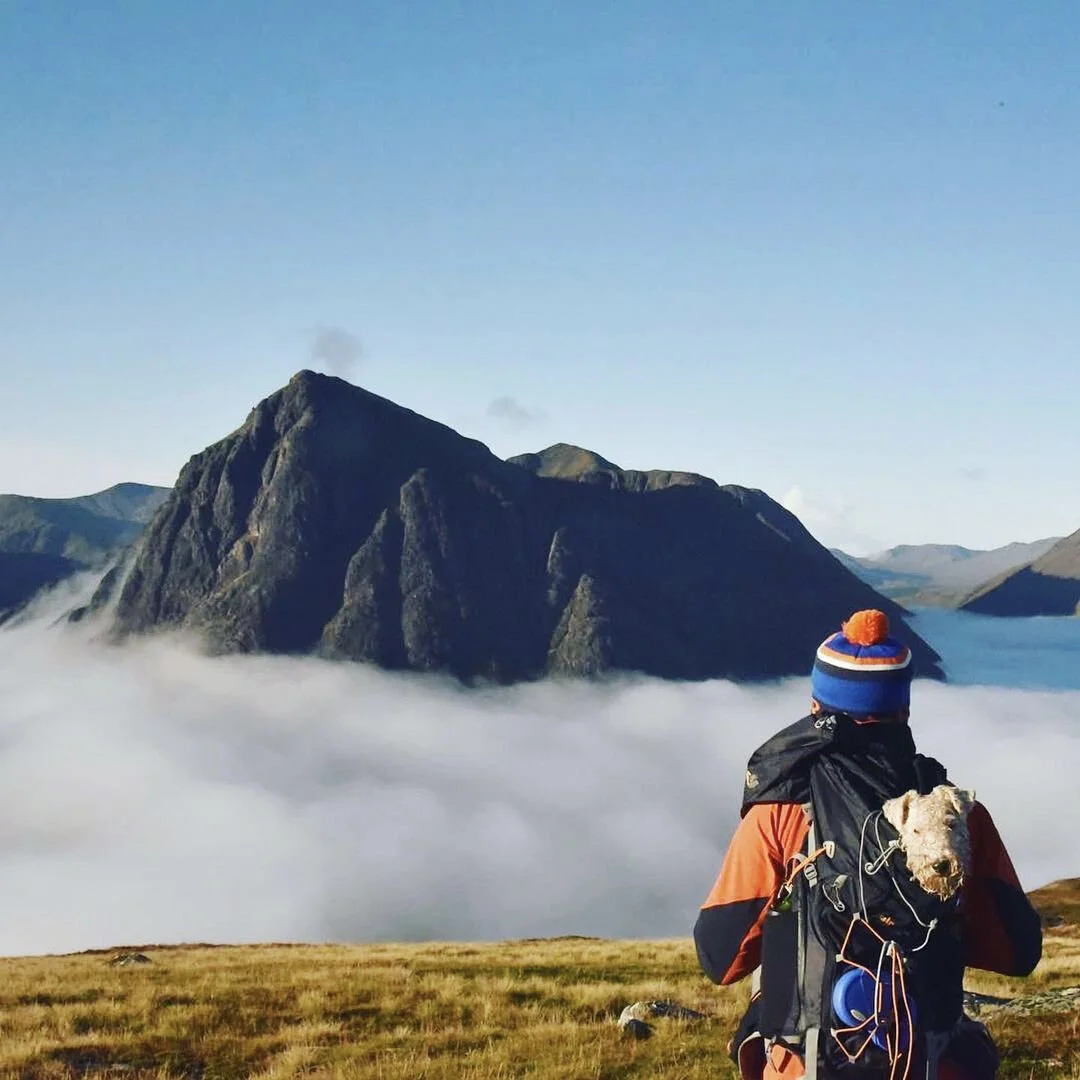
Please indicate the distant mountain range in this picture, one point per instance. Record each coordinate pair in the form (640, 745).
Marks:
(335, 521)
(45, 540)
(1050, 585)
(941, 575)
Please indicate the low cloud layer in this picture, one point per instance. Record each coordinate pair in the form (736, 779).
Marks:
(149, 794)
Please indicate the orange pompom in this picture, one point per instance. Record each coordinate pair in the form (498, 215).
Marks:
(869, 627)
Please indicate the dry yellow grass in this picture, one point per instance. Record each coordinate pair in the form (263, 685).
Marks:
(539, 1009)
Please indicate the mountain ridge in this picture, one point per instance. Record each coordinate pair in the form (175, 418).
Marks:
(1049, 585)
(940, 574)
(43, 541)
(335, 521)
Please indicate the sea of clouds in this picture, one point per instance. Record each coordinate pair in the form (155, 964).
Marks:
(152, 794)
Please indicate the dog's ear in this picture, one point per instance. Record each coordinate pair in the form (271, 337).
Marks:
(963, 799)
(898, 809)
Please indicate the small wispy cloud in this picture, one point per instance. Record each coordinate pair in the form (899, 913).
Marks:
(511, 410)
(976, 474)
(336, 349)
(831, 520)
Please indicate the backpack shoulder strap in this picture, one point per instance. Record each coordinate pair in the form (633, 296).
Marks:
(812, 959)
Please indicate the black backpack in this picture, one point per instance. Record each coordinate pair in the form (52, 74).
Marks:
(850, 913)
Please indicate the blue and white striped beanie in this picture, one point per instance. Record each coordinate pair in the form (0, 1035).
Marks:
(862, 670)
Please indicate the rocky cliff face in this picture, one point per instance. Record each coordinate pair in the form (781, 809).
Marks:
(338, 522)
(1048, 586)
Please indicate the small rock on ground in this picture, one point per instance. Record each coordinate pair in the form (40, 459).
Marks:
(1062, 1000)
(636, 1029)
(125, 959)
(633, 1018)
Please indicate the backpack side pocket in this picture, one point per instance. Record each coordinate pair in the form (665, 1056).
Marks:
(781, 1004)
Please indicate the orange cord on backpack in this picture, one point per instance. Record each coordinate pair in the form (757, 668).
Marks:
(798, 864)
(897, 978)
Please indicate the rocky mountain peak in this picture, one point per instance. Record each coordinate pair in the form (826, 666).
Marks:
(336, 521)
(564, 461)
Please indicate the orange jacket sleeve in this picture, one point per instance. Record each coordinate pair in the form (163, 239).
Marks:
(728, 929)
(1002, 931)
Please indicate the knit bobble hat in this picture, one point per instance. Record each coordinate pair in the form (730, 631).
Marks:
(862, 670)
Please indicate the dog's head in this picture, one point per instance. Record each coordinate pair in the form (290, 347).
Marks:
(934, 836)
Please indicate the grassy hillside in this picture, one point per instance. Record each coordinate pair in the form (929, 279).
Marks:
(541, 1009)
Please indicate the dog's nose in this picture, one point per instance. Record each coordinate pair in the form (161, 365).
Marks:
(942, 866)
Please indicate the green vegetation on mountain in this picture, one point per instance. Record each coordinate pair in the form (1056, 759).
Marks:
(86, 529)
(337, 521)
(43, 541)
(566, 462)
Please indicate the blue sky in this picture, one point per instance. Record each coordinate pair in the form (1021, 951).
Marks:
(828, 250)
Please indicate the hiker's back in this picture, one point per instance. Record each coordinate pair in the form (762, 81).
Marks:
(859, 965)
(853, 887)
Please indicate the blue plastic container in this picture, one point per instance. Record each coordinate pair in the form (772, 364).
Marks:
(853, 1003)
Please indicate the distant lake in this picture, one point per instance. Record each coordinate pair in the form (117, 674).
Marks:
(1031, 654)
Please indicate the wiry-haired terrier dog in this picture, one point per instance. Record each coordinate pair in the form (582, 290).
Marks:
(934, 836)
